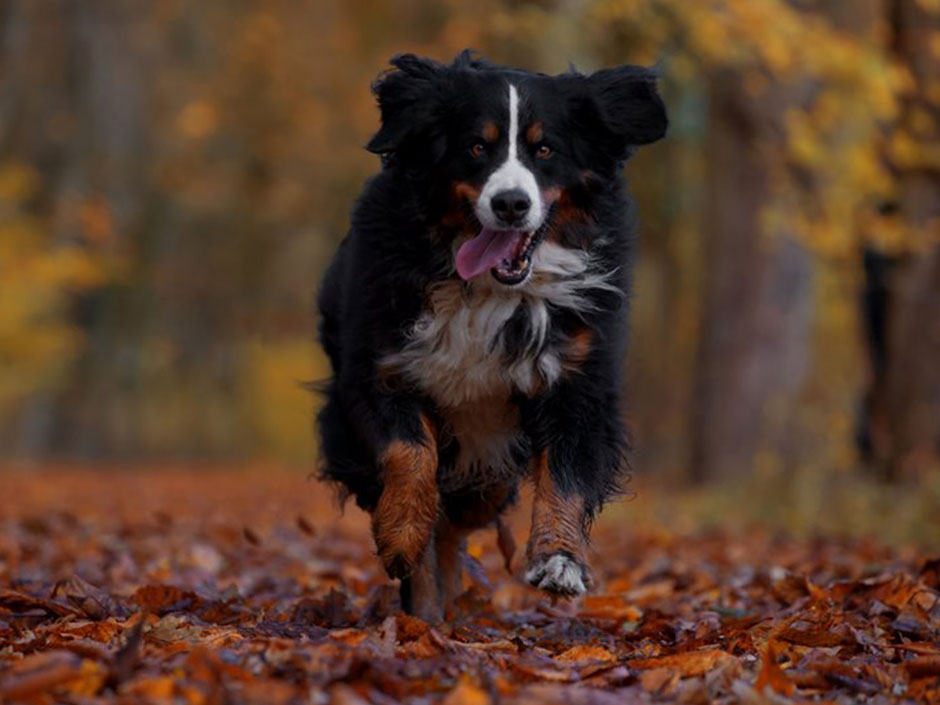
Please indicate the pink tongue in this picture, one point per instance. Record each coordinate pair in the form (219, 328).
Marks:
(487, 250)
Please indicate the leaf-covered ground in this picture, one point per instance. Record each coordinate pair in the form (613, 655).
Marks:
(172, 587)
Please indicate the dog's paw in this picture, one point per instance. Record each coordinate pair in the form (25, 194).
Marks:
(559, 574)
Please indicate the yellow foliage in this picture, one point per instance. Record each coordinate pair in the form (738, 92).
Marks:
(37, 341)
(842, 91)
(279, 410)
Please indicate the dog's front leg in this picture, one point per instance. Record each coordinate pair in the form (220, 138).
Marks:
(555, 553)
(404, 518)
(583, 445)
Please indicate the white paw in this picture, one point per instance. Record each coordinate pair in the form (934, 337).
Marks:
(557, 573)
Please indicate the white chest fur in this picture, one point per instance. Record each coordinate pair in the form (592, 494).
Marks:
(456, 353)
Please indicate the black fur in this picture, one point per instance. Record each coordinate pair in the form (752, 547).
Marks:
(400, 242)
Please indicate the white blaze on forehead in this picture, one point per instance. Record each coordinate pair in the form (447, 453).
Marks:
(511, 174)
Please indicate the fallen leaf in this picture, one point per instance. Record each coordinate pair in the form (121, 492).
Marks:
(15, 602)
(466, 693)
(40, 673)
(90, 599)
(160, 599)
(615, 607)
(687, 664)
(582, 652)
(771, 675)
(922, 667)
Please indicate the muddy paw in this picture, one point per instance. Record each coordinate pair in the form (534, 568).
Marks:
(559, 574)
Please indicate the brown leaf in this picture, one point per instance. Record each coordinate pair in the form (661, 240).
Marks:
(922, 667)
(466, 692)
(584, 652)
(160, 599)
(659, 680)
(331, 610)
(810, 637)
(91, 600)
(771, 675)
(529, 670)
(21, 602)
(156, 688)
(615, 607)
(40, 673)
(410, 628)
(342, 694)
(686, 664)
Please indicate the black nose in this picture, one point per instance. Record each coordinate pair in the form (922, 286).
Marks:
(511, 206)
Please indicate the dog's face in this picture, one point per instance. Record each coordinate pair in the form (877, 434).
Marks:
(508, 154)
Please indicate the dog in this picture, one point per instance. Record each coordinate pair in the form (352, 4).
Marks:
(476, 315)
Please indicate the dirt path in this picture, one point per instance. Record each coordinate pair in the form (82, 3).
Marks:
(174, 587)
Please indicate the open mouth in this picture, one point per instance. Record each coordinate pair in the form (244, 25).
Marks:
(506, 254)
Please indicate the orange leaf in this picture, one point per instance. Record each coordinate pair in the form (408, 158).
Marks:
(609, 607)
(157, 598)
(586, 653)
(922, 667)
(40, 673)
(771, 674)
(686, 664)
(466, 693)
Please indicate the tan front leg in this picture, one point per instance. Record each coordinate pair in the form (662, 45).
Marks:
(404, 518)
(555, 554)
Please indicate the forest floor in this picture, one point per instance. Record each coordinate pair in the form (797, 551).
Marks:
(251, 587)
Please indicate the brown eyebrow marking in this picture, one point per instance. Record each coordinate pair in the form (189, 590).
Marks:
(534, 133)
(464, 190)
(490, 131)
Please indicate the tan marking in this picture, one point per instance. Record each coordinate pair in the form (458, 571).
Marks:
(565, 212)
(490, 131)
(535, 133)
(466, 191)
(579, 346)
(455, 217)
(552, 194)
(407, 510)
(557, 519)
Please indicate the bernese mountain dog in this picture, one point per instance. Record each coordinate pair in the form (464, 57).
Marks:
(476, 315)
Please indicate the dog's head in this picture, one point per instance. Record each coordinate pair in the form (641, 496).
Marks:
(509, 154)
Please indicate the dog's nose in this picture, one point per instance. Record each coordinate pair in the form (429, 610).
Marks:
(511, 206)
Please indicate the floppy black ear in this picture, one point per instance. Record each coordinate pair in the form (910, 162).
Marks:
(628, 105)
(410, 101)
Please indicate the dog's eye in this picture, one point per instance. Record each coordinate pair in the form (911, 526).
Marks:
(543, 152)
(477, 150)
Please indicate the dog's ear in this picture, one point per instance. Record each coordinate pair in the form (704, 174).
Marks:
(411, 104)
(628, 107)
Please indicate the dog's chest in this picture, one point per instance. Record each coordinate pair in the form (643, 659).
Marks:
(467, 346)
(471, 352)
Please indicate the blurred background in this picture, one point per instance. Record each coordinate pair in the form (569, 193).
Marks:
(174, 177)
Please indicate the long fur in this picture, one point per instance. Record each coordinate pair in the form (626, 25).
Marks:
(501, 372)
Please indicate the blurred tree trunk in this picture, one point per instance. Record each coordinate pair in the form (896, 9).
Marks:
(906, 406)
(757, 310)
(87, 134)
